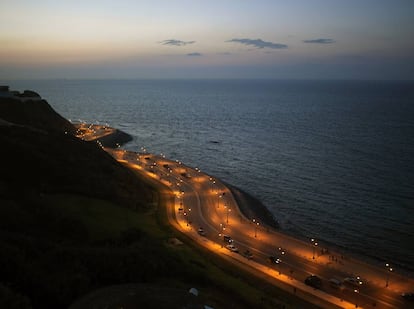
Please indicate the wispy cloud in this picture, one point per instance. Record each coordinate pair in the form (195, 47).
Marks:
(320, 41)
(174, 42)
(259, 43)
(194, 54)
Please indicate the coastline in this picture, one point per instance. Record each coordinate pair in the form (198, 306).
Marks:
(116, 139)
(249, 205)
(252, 207)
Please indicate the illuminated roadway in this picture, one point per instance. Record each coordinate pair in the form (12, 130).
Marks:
(204, 201)
(91, 132)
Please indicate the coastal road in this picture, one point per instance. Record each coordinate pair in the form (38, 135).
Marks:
(202, 201)
(92, 132)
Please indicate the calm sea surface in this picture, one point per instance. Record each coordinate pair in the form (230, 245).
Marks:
(332, 160)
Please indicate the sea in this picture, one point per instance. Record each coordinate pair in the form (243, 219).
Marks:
(332, 160)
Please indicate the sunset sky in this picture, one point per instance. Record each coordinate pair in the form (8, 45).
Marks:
(300, 39)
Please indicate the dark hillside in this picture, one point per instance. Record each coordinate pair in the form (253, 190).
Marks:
(36, 113)
(49, 163)
(74, 221)
(60, 239)
(44, 157)
(47, 257)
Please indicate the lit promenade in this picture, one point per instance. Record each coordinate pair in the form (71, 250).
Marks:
(91, 132)
(203, 201)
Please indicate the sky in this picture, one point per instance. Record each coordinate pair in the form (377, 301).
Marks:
(296, 39)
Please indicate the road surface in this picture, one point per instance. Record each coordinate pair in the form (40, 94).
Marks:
(202, 201)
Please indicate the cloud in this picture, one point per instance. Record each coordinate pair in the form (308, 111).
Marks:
(194, 54)
(174, 42)
(259, 43)
(320, 41)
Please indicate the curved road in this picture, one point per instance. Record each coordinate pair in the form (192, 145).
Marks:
(202, 201)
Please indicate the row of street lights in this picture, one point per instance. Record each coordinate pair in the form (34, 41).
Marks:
(256, 224)
(227, 209)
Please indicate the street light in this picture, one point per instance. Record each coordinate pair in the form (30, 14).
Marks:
(256, 224)
(389, 270)
(228, 210)
(314, 245)
(279, 260)
(279, 263)
(356, 291)
(221, 233)
(213, 182)
(188, 217)
(218, 200)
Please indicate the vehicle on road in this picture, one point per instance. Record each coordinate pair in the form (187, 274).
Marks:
(408, 296)
(353, 281)
(232, 248)
(247, 254)
(274, 260)
(201, 232)
(335, 283)
(186, 175)
(227, 239)
(314, 281)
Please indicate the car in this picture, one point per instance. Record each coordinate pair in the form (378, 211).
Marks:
(314, 281)
(232, 248)
(408, 296)
(247, 254)
(353, 281)
(227, 239)
(274, 260)
(201, 232)
(186, 175)
(335, 283)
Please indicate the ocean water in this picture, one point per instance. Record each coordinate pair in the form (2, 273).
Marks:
(332, 160)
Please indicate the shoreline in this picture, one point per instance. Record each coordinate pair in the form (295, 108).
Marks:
(116, 139)
(252, 207)
(249, 205)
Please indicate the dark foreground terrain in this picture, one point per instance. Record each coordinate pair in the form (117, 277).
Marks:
(74, 223)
